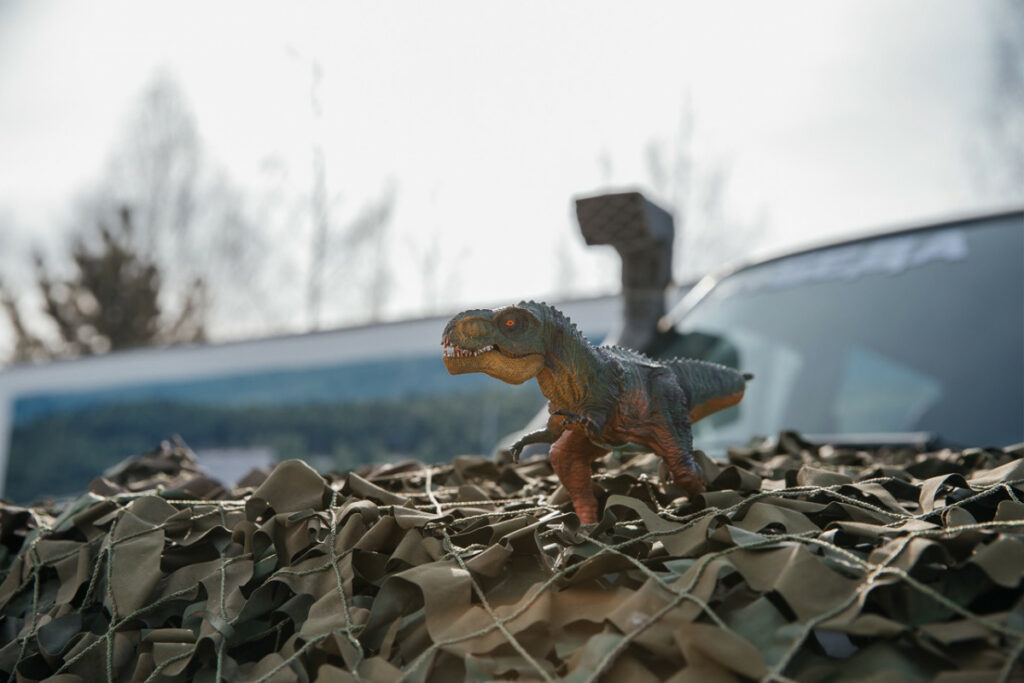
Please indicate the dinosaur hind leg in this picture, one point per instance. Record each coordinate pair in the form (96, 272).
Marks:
(571, 456)
(674, 445)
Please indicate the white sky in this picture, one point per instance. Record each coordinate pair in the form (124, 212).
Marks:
(488, 116)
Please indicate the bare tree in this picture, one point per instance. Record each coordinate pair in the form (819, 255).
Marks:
(357, 249)
(1000, 168)
(566, 267)
(27, 346)
(436, 261)
(319, 205)
(165, 229)
(427, 259)
(188, 217)
(348, 274)
(694, 185)
(360, 272)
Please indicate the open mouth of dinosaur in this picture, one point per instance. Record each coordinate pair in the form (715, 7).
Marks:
(491, 359)
(456, 351)
(452, 351)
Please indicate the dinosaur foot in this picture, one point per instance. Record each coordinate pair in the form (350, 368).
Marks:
(586, 513)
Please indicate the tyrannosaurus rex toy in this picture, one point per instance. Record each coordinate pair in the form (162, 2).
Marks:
(601, 398)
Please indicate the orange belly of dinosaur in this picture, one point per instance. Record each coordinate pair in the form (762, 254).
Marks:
(714, 405)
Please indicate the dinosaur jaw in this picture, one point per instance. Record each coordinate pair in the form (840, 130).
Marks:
(492, 361)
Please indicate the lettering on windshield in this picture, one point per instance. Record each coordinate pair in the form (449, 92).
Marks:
(889, 256)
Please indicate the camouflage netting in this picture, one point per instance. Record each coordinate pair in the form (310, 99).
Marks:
(799, 563)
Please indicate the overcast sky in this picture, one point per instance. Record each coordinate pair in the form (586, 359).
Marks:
(486, 117)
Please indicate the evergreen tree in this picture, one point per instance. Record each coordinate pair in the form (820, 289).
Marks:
(111, 299)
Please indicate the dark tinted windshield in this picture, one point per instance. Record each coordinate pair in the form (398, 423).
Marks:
(922, 331)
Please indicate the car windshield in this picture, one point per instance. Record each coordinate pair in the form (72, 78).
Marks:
(918, 332)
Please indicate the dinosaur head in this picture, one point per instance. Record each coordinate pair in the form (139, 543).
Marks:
(506, 343)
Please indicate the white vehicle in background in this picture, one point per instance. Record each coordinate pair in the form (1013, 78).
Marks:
(337, 398)
(911, 336)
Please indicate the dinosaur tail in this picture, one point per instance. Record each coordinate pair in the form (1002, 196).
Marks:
(706, 381)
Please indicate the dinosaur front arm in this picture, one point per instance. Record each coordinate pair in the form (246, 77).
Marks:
(590, 424)
(558, 422)
(540, 436)
(549, 434)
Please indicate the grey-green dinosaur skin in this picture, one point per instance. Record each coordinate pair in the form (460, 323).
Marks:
(600, 398)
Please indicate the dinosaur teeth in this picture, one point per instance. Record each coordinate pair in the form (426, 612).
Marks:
(459, 352)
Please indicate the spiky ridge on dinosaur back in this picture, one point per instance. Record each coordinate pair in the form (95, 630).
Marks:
(478, 341)
(555, 319)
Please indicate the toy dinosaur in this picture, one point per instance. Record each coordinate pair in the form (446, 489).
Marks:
(601, 398)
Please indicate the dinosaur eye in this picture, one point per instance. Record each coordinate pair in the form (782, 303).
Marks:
(514, 321)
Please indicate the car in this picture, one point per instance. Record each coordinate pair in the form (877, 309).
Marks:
(907, 336)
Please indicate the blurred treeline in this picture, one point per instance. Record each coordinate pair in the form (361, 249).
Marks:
(58, 454)
(164, 248)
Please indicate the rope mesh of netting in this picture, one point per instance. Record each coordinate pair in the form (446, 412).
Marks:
(881, 564)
